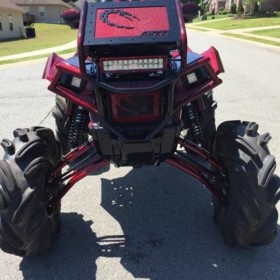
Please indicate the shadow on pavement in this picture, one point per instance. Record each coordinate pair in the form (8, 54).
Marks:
(168, 234)
(73, 254)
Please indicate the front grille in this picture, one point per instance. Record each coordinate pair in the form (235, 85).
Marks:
(135, 107)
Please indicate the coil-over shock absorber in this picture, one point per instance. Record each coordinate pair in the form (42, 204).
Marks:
(77, 127)
(192, 123)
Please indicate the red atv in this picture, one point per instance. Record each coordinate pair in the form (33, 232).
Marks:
(135, 95)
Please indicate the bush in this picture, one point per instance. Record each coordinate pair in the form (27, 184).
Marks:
(222, 11)
(233, 9)
(204, 17)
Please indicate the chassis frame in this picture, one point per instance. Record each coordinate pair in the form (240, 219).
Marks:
(85, 160)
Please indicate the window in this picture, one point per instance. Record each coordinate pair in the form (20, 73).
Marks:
(11, 23)
(1, 23)
(42, 11)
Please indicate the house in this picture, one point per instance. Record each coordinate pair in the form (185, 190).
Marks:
(215, 5)
(11, 20)
(78, 4)
(44, 10)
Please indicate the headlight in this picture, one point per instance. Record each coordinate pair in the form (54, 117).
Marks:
(72, 82)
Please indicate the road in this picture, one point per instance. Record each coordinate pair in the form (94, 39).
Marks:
(149, 223)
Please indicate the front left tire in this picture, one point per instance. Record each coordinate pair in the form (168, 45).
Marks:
(29, 221)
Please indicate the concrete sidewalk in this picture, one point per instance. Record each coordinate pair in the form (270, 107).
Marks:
(246, 32)
(67, 46)
(243, 31)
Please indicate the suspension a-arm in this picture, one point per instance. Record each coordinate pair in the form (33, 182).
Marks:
(81, 162)
(85, 160)
(207, 176)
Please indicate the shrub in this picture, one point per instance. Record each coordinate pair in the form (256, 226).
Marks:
(203, 17)
(222, 11)
(233, 8)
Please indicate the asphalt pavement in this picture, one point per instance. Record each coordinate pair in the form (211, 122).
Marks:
(155, 222)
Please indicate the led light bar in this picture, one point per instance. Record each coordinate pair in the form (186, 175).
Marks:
(133, 64)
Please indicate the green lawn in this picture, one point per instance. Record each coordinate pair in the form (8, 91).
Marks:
(209, 18)
(47, 36)
(275, 32)
(241, 23)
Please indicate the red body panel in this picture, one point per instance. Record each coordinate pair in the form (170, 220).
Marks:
(136, 23)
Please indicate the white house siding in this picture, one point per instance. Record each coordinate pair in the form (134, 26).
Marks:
(52, 14)
(17, 21)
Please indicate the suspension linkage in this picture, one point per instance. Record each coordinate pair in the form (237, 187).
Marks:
(207, 176)
(205, 155)
(82, 161)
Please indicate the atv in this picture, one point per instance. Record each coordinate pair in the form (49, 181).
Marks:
(135, 95)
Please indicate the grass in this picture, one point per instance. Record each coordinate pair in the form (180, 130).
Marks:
(68, 51)
(47, 36)
(264, 41)
(275, 32)
(209, 18)
(242, 23)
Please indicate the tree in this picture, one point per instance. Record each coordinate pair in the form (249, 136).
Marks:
(190, 11)
(275, 5)
(204, 7)
(256, 8)
(240, 9)
(253, 4)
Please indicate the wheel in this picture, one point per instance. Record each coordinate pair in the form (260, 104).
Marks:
(28, 222)
(206, 119)
(62, 123)
(249, 217)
